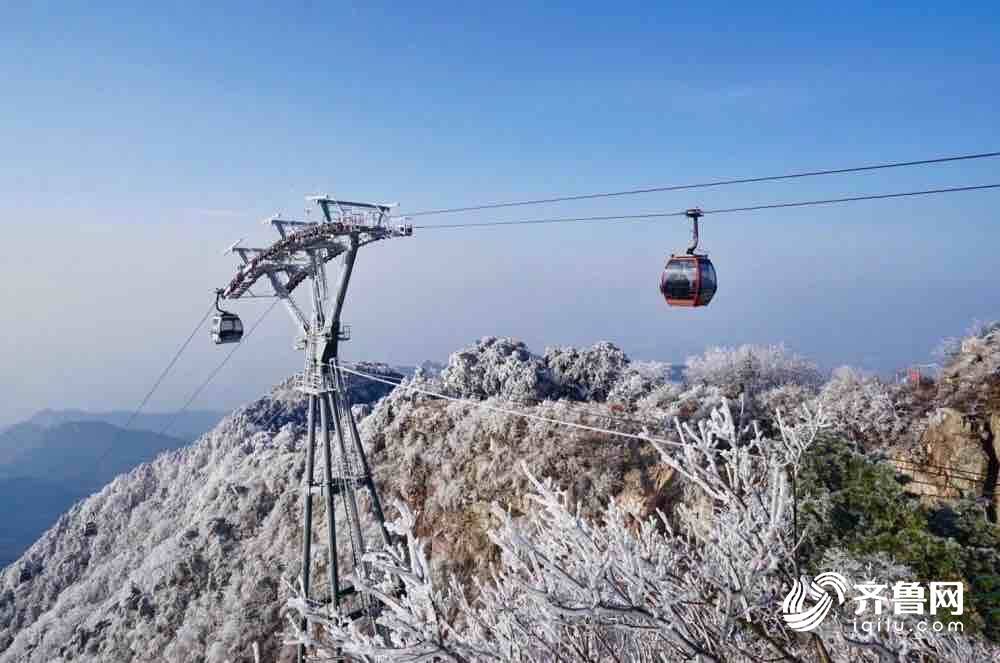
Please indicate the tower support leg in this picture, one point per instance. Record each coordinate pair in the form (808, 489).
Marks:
(307, 509)
(345, 470)
(359, 448)
(331, 520)
(357, 470)
(350, 495)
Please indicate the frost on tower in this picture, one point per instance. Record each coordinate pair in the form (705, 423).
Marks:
(301, 254)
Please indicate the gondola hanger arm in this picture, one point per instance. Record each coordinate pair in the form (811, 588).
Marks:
(694, 214)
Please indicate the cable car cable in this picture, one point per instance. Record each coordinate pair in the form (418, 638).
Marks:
(645, 423)
(945, 486)
(937, 473)
(156, 385)
(569, 405)
(515, 413)
(583, 410)
(729, 210)
(482, 405)
(939, 470)
(706, 185)
(166, 370)
(222, 364)
(851, 199)
(577, 219)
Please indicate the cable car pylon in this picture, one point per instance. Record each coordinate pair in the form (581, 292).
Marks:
(301, 254)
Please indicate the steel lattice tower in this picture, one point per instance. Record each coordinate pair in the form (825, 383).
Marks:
(301, 254)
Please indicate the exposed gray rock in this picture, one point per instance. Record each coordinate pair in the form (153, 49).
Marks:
(954, 458)
(955, 447)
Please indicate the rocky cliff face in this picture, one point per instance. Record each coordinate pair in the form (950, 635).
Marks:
(953, 456)
(959, 438)
(186, 558)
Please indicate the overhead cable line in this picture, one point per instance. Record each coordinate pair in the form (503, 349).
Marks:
(727, 210)
(851, 199)
(572, 219)
(166, 370)
(706, 185)
(578, 407)
(583, 410)
(570, 405)
(595, 429)
(947, 476)
(152, 390)
(984, 493)
(515, 413)
(222, 364)
(942, 470)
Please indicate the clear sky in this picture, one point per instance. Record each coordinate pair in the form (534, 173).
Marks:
(139, 141)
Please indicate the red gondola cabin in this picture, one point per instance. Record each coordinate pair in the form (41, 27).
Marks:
(688, 280)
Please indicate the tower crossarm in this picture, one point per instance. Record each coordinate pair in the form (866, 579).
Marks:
(282, 225)
(282, 254)
(326, 239)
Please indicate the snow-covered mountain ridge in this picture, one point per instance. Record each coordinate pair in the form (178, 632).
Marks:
(186, 558)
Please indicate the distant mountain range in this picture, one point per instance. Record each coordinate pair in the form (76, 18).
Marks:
(60, 456)
(186, 425)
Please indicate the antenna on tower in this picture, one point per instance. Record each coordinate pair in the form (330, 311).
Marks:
(301, 254)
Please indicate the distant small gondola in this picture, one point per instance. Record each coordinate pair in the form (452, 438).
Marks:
(689, 279)
(226, 327)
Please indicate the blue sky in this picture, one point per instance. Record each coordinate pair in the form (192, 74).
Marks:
(139, 142)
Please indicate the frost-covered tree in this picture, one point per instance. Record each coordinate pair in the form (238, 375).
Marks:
(639, 381)
(589, 374)
(752, 368)
(498, 366)
(567, 588)
(786, 398)
(860, 407)
(950, 347)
